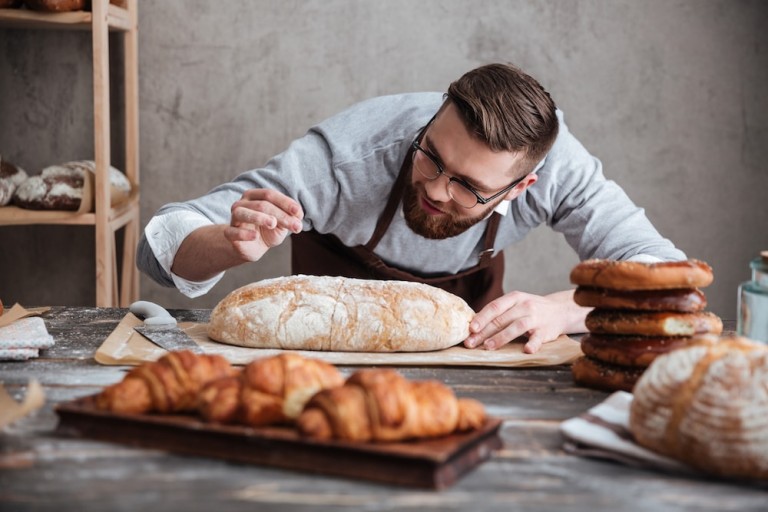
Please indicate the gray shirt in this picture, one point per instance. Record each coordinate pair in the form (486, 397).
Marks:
(342, 171)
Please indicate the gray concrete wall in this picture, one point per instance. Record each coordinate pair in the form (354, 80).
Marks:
(670, 95)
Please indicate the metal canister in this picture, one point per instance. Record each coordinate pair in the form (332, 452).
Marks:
(753, 302)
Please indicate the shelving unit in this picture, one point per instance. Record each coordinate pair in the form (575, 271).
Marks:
(103, 18)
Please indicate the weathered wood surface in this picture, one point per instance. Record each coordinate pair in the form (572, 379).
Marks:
(41, 470)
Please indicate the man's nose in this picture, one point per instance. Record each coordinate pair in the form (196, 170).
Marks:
(437, 189)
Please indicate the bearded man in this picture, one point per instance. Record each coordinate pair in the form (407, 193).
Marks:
(425, 187)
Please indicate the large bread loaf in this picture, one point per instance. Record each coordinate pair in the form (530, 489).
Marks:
(707, 405)
(340, 314)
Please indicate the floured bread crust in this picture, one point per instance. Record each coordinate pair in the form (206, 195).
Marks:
(707, 405)
(61, 187)
(340, 314)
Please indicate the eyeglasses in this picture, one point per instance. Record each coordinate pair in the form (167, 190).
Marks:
(458, 190)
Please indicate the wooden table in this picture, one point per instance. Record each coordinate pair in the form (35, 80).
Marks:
(40, 469)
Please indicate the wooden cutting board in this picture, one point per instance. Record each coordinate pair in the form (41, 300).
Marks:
(434, 463)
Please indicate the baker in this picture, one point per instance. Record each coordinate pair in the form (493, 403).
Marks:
(424, 187)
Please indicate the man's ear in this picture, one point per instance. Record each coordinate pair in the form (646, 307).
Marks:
(526, 182)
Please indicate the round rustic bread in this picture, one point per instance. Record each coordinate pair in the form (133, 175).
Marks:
(340, 314)
(61, 187)
(630, 350)
(707, 406)
(592, 373)
(652, 323)
(687, 300)
(11, 176)
(635, 275)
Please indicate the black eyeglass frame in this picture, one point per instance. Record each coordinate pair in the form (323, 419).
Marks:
(452, 179)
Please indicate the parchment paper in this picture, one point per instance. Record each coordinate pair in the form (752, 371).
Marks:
(17, 312)
(127, 347)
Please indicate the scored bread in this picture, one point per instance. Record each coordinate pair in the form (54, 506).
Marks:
(340, 314)
(707, 406)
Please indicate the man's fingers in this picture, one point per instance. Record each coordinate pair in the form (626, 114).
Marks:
(269, 219)
(535, 341)
(278, 199)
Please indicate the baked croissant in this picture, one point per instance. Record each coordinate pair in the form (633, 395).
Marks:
(170, 384)
(382, 405)
(268, 390)
(707, 406)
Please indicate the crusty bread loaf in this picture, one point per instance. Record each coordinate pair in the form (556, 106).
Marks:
(630, 350)
(11, 176)
(652, 323)
(707, 406)
(63, 187)
(340, 314)
(688, 300)
(635, 275)
(593, 373)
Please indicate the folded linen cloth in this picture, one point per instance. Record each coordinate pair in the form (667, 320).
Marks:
(603, 432)
(24, 338)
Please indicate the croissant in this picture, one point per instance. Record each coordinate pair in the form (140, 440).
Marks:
(707, 406)
(382, 405)
(170, 384)
(268, 390)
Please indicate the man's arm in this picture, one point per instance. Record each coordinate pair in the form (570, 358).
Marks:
(261, 219)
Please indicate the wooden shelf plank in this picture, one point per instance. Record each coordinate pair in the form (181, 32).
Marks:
(117, 17)
(118, 215)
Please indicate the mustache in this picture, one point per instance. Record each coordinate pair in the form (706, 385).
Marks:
(433, 227)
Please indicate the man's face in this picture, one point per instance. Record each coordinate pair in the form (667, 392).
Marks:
(427, 205)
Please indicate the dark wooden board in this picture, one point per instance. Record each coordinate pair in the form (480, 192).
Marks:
(433, 463)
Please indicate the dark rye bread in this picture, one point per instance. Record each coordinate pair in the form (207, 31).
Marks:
(11, 176)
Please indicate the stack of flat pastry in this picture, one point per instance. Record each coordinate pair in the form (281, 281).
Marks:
(641, 310)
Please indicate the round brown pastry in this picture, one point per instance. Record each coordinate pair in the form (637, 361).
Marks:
(11, 176)
(653, 323)
(55, 5)
(706, 405)
(630, 350)
(596, 374)
(634, 275)
(687, 300)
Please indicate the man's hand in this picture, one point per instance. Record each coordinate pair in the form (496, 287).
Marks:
(541, 318)
(261, 219)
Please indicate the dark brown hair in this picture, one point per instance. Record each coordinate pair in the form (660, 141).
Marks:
(507, 109)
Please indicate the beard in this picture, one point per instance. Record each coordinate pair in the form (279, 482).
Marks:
(435, 227)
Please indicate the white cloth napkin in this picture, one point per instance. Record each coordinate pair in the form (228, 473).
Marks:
(24, 338)
(603, 432)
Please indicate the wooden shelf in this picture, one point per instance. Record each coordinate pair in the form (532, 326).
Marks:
(117, 19)
(105, 219)
(15, 216)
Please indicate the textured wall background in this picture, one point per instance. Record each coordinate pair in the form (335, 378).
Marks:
(670, 95)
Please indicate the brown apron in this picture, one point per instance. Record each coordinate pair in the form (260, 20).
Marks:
(313, 253)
